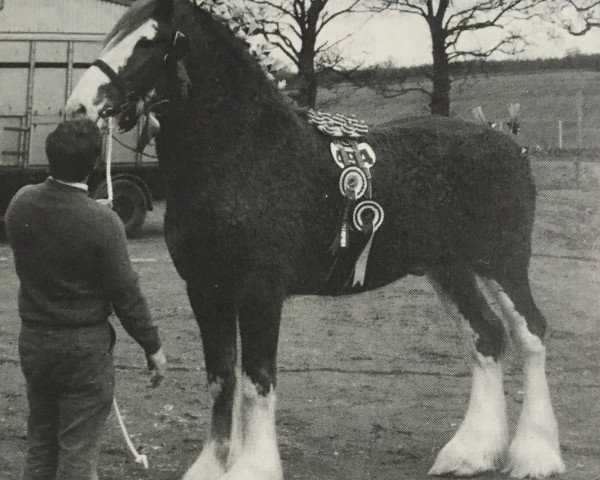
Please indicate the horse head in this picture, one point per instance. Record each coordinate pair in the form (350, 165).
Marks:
(159, 49)
(140, 51)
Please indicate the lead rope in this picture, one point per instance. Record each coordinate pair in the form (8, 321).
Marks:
(109, 150)
(139, 458)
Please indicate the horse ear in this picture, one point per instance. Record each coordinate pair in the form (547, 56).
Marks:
(181, 45)
(179, 49)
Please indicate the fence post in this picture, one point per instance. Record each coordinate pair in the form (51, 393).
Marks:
(579, 103)
(579, 106)
(560, 134)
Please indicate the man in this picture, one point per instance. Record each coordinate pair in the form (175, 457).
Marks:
(72, 261)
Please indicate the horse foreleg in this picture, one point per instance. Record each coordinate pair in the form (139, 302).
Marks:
(214, 308)
(481, 441)
(535, 449)
(259, 313)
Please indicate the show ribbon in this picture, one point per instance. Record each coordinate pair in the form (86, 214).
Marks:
(141, 459)
(360, 269)
(377, 214)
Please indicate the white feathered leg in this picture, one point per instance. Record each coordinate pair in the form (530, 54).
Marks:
(535, 449)
(259, 456)
(211, 463)
(481, 441)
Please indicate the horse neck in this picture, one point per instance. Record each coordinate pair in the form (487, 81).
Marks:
(231, 105)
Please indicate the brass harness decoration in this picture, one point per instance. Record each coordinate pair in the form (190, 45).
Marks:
(362, 214)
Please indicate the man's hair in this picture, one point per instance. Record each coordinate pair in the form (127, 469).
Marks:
(72, 149)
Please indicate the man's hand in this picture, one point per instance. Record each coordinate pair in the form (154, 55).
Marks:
(157, 363)
(105, 201)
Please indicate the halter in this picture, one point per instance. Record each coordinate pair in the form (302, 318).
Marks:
(128, 110)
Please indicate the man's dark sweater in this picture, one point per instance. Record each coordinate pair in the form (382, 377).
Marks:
(72, 261)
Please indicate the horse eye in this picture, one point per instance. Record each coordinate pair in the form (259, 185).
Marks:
(145, 43)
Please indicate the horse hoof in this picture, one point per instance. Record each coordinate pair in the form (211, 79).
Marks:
(533, 457)
(465, 457)
(250, 468)
(206, 467)
(204, 472)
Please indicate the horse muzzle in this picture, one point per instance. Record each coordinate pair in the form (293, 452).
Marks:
(127, 115)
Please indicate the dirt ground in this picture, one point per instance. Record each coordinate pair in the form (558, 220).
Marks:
(370, 387)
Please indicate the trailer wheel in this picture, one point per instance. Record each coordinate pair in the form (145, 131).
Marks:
(129, 202)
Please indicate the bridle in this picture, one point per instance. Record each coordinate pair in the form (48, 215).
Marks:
(128, 112)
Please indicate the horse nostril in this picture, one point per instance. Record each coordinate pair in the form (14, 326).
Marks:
(80, 110)
(76, 110)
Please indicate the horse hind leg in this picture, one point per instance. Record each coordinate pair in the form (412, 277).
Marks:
(259, 304)
(215, 313)
(535, 450)
(481, 441)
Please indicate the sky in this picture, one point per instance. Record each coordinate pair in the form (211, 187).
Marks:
(404, 40)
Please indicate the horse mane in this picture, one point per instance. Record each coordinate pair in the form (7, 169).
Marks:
(226, 37)
(137, 14)
(142, 10)
(238, 54)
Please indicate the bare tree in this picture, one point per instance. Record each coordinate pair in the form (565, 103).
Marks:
(449, 23)
(584, 15)
(295, 27)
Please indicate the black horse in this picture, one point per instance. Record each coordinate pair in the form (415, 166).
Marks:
(253, 208)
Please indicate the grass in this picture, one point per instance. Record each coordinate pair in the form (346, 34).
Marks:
(545, 97)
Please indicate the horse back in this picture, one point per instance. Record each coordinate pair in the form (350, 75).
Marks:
(452, 191)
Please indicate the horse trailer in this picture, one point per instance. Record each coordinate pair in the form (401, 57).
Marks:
(39, 65)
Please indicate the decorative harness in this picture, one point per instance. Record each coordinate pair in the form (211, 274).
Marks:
(362, 215)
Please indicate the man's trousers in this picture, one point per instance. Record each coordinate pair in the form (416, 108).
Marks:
(69, 375)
